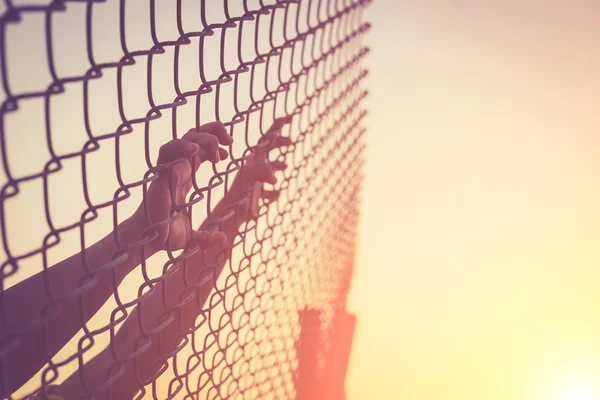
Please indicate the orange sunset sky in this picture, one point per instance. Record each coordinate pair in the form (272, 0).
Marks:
(478, 269)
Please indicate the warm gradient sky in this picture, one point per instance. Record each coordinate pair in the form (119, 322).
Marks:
(478, 271)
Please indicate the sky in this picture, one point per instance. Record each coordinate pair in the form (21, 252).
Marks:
(477, 271)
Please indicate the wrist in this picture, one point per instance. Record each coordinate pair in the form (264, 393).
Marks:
(131, 231)
(226, 217)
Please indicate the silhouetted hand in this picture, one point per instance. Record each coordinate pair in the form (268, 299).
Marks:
(181, 158)
(257, 170)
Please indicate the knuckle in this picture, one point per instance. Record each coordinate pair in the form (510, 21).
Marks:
(214, 141)
(216, 125)
(188, 134)
(164, 151)
(167, 146)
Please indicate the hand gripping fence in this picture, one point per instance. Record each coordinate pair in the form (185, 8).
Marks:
(91, 90)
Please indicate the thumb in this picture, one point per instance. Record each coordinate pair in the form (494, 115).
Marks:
(210, 238)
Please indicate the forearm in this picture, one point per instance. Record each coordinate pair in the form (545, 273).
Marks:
(193, 276)
(51, 296)
(155, 328)
(185, 291)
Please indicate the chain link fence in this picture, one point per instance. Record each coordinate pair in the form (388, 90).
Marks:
(96, 98)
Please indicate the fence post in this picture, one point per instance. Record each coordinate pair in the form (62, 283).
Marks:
(308, 347)
(328, 385)
(338, 357)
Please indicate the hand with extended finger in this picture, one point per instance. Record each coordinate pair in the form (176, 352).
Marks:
(248, 186)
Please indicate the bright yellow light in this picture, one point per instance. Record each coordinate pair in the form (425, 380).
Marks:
(580, 393)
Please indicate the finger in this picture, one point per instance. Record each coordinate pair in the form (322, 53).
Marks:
(266, 144)
(217, 129)
(259, 173)
(209, 239)
(275, 130)
(176, 149)
(279, 123)
(208, 142)
(223, 154)
(281, 141)
(270, 144)
(255, 195)
(270, 195)
(278, 166)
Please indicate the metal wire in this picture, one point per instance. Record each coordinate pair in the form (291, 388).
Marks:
(297, 255)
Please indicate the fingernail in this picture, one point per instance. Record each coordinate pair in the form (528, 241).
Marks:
(279, 165)
(218, 237)
(193, 148)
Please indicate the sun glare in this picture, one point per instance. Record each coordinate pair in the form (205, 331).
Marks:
(580, 393)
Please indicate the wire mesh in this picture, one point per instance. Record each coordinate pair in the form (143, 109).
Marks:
(92, 91)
